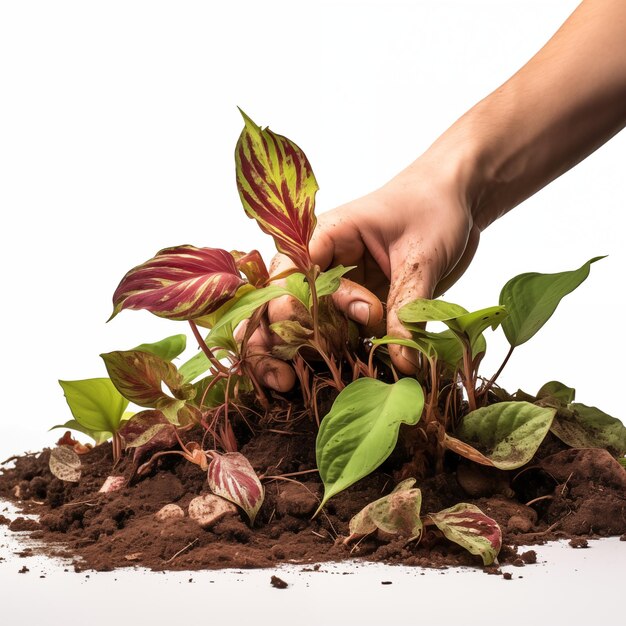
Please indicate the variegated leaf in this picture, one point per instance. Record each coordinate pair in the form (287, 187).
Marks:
(64, 463)
(142, 427)
(396, 514)
(139, 377)
(277, 188)
(468, 526)
(252, 266)
(180, 283)
(232, 477)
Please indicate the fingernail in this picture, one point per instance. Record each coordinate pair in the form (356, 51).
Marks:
(270, 379)
(410, 355)
(359, 311)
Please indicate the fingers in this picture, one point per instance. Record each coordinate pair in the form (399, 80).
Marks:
(359, 304)
(411, 278)
(271, 372)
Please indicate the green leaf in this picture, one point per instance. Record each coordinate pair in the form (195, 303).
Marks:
(95, 403)
(298, 288)
(361, 429)
(424, 310)
(168, 348)
(532, 298)
(466, 525)
(99, 436)
(223, 339)
(216, 394)
(473, 324)
(560, 392)
(328, 282)
(622, 462)
(247, 305)
(588, 427)
(507, 433)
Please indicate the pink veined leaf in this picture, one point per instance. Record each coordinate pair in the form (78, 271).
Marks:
(468, 526)
(180, 283)
(277, 188)
(252, 266)
(142, 427)
(232, 477)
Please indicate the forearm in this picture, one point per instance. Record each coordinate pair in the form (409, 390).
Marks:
(561, 106)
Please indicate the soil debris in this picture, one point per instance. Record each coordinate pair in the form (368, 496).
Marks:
(278, 583)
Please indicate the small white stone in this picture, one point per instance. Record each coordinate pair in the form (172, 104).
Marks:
(112, 483)
(169, 511)
(206, 510)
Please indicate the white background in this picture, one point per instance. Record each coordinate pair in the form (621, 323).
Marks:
(118, 122)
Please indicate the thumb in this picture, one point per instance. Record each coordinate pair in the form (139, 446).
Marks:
(411, 278)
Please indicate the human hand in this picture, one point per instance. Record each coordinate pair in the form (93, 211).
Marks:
(412, 238)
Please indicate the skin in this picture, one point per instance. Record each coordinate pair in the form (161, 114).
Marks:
(415, 236)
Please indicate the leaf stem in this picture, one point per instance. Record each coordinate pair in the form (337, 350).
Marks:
(207, 351)
(493, 379)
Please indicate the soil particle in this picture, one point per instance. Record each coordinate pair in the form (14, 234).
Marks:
(507, 576)
(4, 521)
(278, 583)
(23, 570)
(20, 524)
(579, 542)
(529, 557)
(297, 499)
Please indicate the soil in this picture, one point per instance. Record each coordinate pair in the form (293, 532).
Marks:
(562, 494)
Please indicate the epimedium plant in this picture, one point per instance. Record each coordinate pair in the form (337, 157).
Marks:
(447, 407)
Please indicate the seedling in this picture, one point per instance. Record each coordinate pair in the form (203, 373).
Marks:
(446, 408)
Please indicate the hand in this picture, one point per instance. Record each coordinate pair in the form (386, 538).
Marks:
(412, 238)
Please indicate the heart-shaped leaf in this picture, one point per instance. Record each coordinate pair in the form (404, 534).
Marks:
(180, 283)
(468, 526)
(277, 188)
(64, 463)
(507, 433)
(557, 391)
(168, 348)
(95, 404)
(232, 477)
(582, 426)
(396, 514)
(532, 298)
(361, 429)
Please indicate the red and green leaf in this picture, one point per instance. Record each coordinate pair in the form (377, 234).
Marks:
(252, 266)
(139, 377)
(180, 283)
(277, 188)
(143, 427)
(468, 526)
(232, 477)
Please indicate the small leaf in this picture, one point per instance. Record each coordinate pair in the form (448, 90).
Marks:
(473, 324)
(95, 403)
(277, 188)
(468, 526)
(425, 310)
(532, 298)
(361, 429)
(232, 477)
(142, 427)
(507, 433)
(293, 336)
(396, 514)
(558, 391)
(139, 377)
(65, 464)
(179, 283)
(329, 281)
(584, 426)
(252, 266)
(168, 348)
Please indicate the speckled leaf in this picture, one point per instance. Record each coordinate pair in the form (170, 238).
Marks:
(425, 310)
(232, 477)
(65, 464)
(180, 283)
(361, 429)
(473, 324)
(277, 188)
(396, 514)
(582, 426)
(468, 526)
(507, 433)
(558, 391)
(142, 427)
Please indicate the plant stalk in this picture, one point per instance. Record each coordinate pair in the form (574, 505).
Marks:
(493, 379)
(207, 351)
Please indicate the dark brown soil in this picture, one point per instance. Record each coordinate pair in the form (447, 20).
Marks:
(572, 494)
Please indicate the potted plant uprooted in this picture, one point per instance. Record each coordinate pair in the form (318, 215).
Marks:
(445, 417)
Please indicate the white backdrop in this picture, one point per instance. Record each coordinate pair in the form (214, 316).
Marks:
(118, 122)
